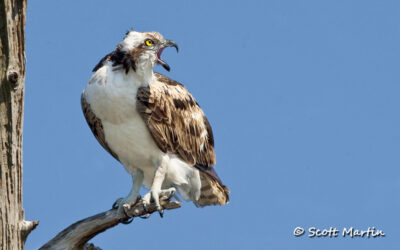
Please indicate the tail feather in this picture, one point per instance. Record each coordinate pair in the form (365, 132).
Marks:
(212, 191)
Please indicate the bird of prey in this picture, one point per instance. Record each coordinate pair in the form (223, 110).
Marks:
(152, 125)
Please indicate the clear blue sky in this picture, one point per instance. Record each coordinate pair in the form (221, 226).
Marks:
(303, 98)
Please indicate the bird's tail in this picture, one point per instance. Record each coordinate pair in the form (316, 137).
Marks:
(212, 191)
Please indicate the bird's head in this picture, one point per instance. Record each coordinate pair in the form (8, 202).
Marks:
(145, 48)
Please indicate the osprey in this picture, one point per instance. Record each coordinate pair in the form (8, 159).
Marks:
(152, 124)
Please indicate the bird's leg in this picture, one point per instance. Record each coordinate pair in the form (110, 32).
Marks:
(156, 191)
(133, 195)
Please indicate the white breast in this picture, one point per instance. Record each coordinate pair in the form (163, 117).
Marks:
(112, 97)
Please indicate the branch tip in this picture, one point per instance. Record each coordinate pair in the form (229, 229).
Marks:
(26, 227)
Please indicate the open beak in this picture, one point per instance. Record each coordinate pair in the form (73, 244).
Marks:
(168, 43)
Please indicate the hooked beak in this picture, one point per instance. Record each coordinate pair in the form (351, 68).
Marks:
(168, 43)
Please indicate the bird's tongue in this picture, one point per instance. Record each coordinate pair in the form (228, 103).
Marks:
(159, 53)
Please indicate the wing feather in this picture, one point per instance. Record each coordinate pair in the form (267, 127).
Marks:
(95, 125)
(176, 122)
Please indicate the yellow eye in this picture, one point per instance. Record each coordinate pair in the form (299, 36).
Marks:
(149, 42)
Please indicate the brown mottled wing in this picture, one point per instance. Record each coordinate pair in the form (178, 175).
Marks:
(176, 122)
(95, 125)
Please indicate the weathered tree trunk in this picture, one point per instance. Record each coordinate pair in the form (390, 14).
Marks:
(13, 228)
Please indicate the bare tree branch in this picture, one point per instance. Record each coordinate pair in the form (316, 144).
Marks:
(78, 234)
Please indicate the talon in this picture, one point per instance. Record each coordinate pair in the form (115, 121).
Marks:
(145, 216)
(116, 203)
(161, 212)
(127, 221)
